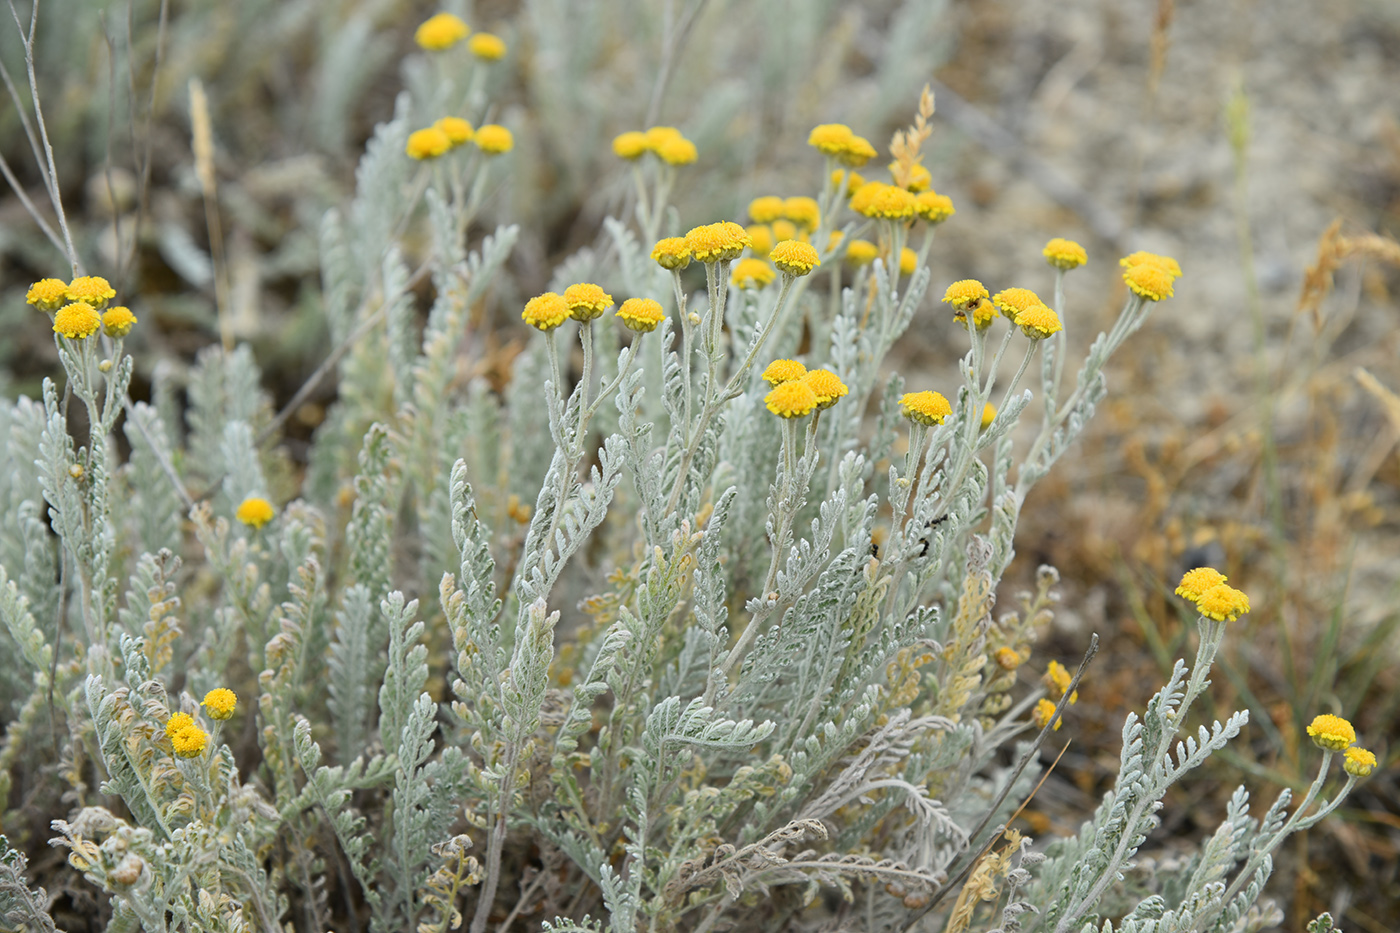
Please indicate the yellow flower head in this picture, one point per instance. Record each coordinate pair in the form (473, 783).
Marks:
(760, 239)
(861, 252)
(677, 150)
(176, 722)
(428, 143)
(964, 293)
(1038, 322)
(888, 202)
(118, 321)
(717, 242)
(1143, 258)
(830, 138)
(793, 257)
(189, 742)
(1007, 658)
(487, 47)
(1331, 732)
(493, 139)
(586, 301)
(1150, 281)
(657, 135)
(802, 211)
(47, 294)
(857, 152)
(791, 399)
(1057, 680)
(926, 407)
(255, 511)
(780, 371)
(982, 313)
(1194, 583)
(92, 290)
(77, 321)
(834, 240)
(919, 178)
(641, 314)
(630, 145)
(784, 230)
(545, 312)
(766, 209)
(933, 207)
(1012, 301)
(753, 273)
(441, 32)
(220, 703)
(839, 176)
(908, 261)
(1223, 603)
(826, 386)
(1044, 709)
(1064, 254)
(458, 131)
(672, 252)
(1360, 762)
(989, 414)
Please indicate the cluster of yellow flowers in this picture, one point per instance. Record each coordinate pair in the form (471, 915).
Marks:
(836, 141)
(798, 391)
(586, 302)
(443, 31)
(666, 142)
(1206, 587)
(1056, 680)
(186, 738)
(450, 132)
(77, 307)
(1335, 734)
(1149, 275)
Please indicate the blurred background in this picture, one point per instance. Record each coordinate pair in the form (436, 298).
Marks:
(1251, 425)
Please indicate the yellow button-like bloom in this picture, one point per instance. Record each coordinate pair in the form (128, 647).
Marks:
(919, 178)
(77, 321)
(802, 211)
(861, 252)
(1044, 709)
(493, 139)
(908, 261)
(1007, 658)
(760, 239)
(933, 207)
(657, 135)
(1360, 762)
(487, 47)
(441, 32)
(630, 145)
(791, 399)
(176, 722)
(793, 257)
(983, 311)
(1143, 258)
(1331, 732)
(752, 273)
(672, 252)
(1150, 281)
(586, 301)
(766, 209)
(1012, 301)
(1057, 680)
(1223, 603)
(1038, 322)
(888, 202)
(858, 151)
(427, 143)
(925, 407)
(677, 150)
(830, 138)
(1194, 583)
(189, 742)
(545, 312)
(1064, 254)
(92, 290)
(964, 293)
(220, 703)
(118, 321)
(47, 294)
(255, 511)
(826, 386)
(641, 314)
(717, 242)
(780, 371)
(839, 176)
(458, 131)
(784, 229)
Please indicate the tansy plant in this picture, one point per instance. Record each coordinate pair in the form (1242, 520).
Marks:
(664, 634)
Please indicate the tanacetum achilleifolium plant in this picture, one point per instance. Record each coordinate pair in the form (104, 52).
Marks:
(673, 639)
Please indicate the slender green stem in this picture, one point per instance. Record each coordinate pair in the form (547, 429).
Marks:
(1016, 379)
